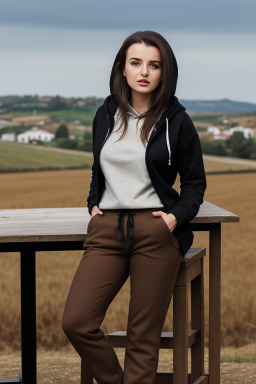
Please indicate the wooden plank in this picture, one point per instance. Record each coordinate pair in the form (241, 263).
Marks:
(43, 224)
(28, 317)
(118, 339)
(210, 213)
(197, 321)
(193, 255)
(70, 224)
(214, 304)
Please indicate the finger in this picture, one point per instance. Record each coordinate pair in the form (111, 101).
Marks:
(157, 213)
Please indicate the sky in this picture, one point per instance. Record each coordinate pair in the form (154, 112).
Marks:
(67, 47)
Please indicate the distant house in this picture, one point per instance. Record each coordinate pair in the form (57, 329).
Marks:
(8, 137)
(246, 131)
(4, 123)
(220, 137)
(35, 134)
(213, 130)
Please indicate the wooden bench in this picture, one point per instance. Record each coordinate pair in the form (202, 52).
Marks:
(181, 339)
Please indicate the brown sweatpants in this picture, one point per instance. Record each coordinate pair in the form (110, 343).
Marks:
(152, 259)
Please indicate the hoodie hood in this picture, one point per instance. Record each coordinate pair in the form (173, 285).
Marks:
(172, 107)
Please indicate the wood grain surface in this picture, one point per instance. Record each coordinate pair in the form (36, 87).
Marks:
(70, 224)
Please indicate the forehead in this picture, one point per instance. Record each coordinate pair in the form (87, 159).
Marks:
(143, 52)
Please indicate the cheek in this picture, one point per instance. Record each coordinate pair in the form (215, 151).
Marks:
(157, 78)
(129, 72)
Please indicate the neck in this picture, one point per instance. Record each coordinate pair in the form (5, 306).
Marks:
(140, 102)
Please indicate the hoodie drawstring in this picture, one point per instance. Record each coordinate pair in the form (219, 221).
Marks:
(130, 223)
(167, 141)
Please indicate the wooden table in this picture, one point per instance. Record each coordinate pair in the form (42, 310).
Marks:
(55, 229)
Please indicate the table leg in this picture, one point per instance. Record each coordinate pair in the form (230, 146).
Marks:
(214, 303)
(28, 316)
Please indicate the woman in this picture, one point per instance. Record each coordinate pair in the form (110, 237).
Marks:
(142, 137)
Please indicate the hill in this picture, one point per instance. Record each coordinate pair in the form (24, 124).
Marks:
(17, 105)
(218, 106)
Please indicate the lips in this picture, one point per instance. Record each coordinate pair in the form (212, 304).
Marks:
(143, 81)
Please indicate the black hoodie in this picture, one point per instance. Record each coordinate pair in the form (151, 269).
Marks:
(173, 147)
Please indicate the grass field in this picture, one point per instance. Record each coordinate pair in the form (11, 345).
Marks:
(17, 157)
(55, 270)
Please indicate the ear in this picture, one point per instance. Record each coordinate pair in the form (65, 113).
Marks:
(124, 74)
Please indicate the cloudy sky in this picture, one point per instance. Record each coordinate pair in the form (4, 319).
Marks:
(66, 47)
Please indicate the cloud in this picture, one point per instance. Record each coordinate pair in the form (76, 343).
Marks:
(183, 15)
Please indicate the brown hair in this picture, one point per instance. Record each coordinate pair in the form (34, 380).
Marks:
(121, 91)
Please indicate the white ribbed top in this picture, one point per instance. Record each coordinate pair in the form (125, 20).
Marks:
(123, 164)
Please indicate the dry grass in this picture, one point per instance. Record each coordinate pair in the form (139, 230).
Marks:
(55, 270)
(227, 164)
(55, 367)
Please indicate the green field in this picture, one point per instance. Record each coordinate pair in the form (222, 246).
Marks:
(85, 116)
(19, 157)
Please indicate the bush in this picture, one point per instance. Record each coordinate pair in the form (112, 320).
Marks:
(85, 145)
(62, 131)
(66, 143)
(215, 147)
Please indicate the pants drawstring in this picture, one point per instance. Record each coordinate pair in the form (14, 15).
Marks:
(130, 222)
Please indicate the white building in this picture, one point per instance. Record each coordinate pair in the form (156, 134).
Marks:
(246, 131)
(213, 130)
(35, 134)
(5, 123)
(8, 137)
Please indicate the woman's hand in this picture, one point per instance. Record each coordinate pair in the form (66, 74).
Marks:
(96, 210)
(169, 218)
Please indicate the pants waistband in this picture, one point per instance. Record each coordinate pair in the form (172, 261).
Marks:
(130, 221)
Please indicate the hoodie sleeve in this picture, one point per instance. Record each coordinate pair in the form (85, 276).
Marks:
(192, 174)
(92, 199)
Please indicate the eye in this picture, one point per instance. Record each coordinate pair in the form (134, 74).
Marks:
(155, 66)
(135, 63)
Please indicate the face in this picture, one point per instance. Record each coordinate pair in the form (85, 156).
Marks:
(143, 68)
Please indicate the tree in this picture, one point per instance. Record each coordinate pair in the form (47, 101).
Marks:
(240, 146)
(214, 147)
(66, 143)
(62, 131)
(57, 104)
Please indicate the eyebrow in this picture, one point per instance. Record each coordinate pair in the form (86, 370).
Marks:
(151, 61)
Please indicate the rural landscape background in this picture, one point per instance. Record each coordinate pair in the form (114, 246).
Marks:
(56, 57)
(64, 182)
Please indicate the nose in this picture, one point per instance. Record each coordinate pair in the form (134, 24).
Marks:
(144, 70)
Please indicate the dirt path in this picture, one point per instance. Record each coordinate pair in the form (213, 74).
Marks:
(54, 367)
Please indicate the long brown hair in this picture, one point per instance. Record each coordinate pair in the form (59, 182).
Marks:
(121, 91)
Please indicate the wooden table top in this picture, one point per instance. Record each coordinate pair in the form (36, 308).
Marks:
(70, 224)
